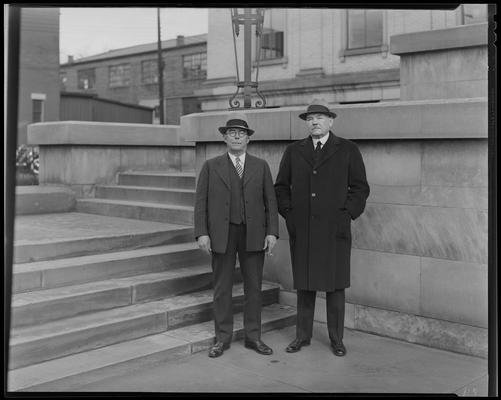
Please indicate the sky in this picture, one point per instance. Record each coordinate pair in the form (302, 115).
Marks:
(88, 31)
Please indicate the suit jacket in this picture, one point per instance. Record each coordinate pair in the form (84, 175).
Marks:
(318, 201)
(212, 203)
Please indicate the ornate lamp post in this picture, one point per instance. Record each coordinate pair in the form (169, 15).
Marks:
(247, 19)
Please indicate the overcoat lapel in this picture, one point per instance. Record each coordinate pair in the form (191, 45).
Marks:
(306, 150)
(222, 169)
(331, 146)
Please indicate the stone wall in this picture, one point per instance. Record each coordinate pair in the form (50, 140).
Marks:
(443, 64)
(420, 248)
(419, 257)
(83, 154)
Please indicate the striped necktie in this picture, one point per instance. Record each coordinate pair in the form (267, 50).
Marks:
(239, 168)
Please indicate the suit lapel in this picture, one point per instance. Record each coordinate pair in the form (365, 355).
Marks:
(330, 147)
(222, 169)
(250, 168)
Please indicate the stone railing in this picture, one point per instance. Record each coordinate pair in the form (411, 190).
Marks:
(83, 154)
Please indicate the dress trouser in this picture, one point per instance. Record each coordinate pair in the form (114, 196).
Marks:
(306, 311)
(223, 267)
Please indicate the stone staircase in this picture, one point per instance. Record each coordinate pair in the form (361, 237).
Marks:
(84, 308)
(146, 195)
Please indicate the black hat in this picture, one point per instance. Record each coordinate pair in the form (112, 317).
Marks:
(236, 121)
(317, 107)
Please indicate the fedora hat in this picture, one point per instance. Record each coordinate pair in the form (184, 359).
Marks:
(236, 121)
(317, 107)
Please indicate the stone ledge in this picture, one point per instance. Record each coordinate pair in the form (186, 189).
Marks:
(104, 133)
(306, 81)
(420, 119)
(440, 39)
(450, 336)
(431, 332)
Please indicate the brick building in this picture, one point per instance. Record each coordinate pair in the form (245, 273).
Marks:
(130, 75)
(338, 54)
(38, 68)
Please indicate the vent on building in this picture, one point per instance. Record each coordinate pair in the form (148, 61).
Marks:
(359, 102)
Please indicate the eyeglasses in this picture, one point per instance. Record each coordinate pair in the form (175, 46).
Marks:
(235, 132)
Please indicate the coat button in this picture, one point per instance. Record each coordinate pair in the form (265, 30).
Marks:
(314, 172)
(313, 195)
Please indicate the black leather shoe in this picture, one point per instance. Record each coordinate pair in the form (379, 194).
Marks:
(338, 348)
(218, 349)
(258, 346)
(296, 345)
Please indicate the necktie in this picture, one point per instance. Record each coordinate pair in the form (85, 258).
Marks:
(318, 148)
(239, 168)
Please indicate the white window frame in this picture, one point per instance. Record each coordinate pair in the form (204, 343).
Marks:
(42, 97)
(383, 49)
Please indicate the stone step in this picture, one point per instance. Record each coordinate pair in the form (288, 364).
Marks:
(99, 242)
(180, 180)
(40, 199)
(182, 197)
(94, 365)
(43, 306)
(146, 211)
(76, 270)
(36, 344)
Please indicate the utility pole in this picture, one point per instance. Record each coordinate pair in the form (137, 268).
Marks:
(160, 73)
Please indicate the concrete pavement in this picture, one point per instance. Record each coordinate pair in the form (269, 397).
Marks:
(373, 364)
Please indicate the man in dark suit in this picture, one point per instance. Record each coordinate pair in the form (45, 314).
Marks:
(236, 212)
(321, 186)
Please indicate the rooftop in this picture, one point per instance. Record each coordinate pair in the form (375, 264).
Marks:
(143, 48)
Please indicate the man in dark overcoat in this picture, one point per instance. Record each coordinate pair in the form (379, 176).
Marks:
(321, 186)
(236, 213)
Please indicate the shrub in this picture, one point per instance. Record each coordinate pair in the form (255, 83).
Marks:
(27, 165)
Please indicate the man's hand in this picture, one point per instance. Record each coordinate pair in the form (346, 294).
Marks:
(269, 242)
(204, 243)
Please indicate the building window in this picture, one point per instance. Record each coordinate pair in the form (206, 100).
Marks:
(195, 66)
(149, 72)
(37, 110)
(473, 13)
(86, 78)
(272, 44)
(273, 38)
(63, 79)
(364, 28)
(119, 75)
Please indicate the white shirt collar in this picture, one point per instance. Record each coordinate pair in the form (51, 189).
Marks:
(322, 140)
(241, 157)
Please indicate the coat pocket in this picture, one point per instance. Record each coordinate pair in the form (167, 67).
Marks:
(343, 225)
